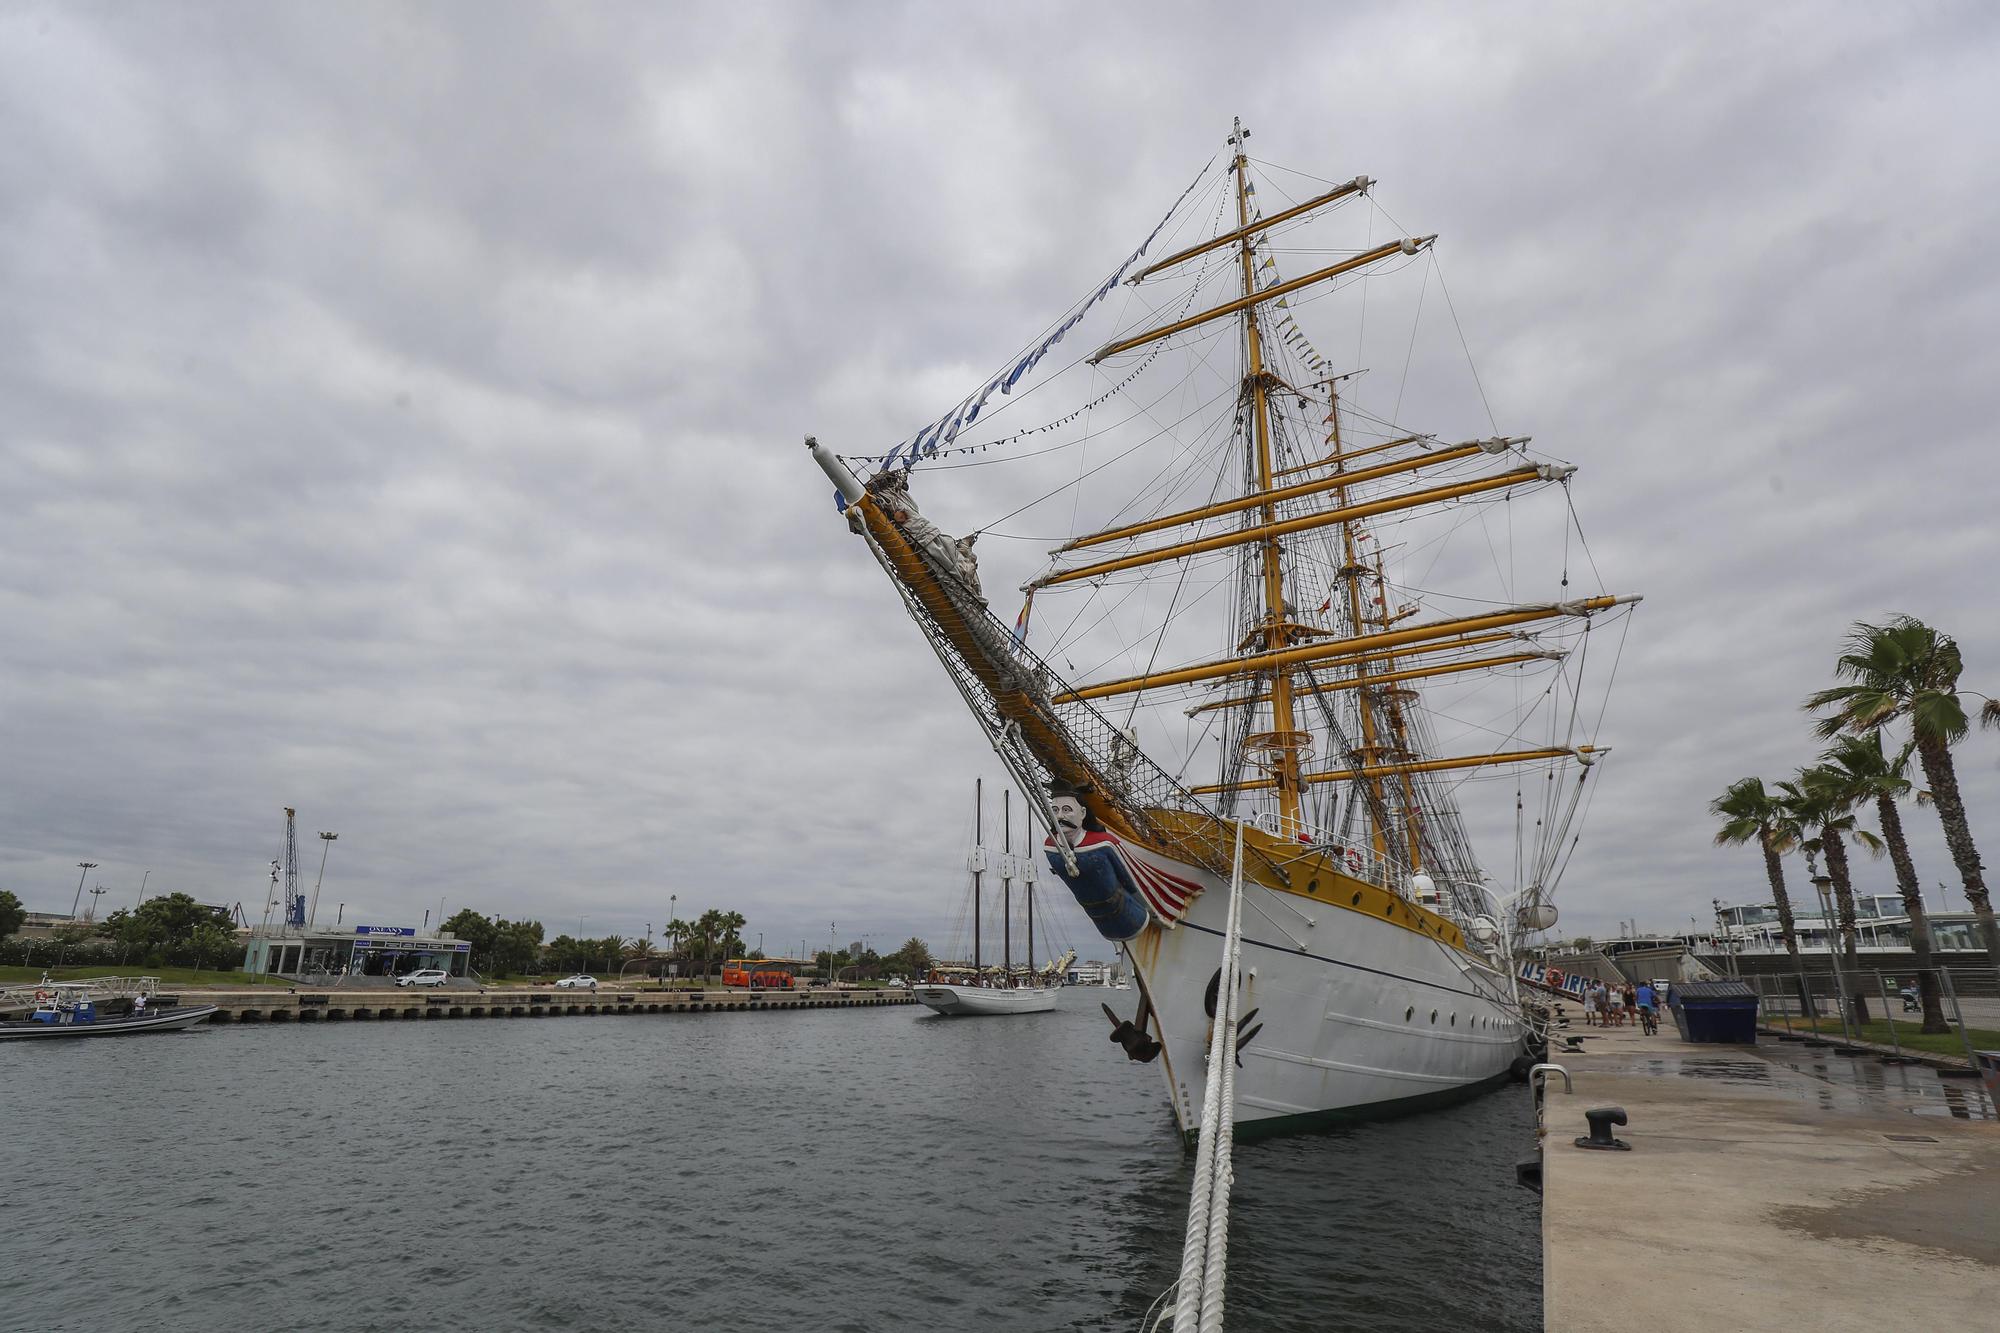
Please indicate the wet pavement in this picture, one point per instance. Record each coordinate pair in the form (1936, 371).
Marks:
(1767, 1187)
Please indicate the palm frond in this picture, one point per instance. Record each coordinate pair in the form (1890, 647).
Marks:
(1935, 714)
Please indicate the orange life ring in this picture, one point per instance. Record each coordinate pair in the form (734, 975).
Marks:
(1354, 860)
(41, 995)
(1555, 977)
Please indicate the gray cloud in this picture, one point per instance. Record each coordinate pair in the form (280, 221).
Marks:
(402, 405)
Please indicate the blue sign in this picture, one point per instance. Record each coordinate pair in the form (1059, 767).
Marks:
(385, 930)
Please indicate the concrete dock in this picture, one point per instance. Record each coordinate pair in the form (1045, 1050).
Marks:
(268, 1004)
(1767, 1187)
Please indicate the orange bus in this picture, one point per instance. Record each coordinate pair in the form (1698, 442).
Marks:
(760, 973)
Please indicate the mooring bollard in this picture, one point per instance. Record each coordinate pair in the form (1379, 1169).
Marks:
(1601, 1119)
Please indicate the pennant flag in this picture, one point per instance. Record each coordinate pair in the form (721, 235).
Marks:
(1021, 621)
(946, 428)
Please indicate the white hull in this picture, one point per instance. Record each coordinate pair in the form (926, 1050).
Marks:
(968, 1001)
(1359, 1016)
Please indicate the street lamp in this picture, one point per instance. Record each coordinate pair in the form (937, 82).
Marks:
(326, 845)
(829, 952)
(95, 893)
(142, 890)
(86, 867)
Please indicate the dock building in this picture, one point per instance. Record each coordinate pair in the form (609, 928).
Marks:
(314, 953)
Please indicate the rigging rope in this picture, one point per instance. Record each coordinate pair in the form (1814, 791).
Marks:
(1203, 1281)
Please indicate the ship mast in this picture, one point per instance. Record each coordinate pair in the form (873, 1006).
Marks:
(1284, 741)
(978, 862)
(1350, 573)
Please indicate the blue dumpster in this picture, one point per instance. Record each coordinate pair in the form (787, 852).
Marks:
(1716, 1011)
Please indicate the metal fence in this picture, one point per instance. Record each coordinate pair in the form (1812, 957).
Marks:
(1887, 1012)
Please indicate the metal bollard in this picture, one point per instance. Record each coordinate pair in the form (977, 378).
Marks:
(1601, 1119)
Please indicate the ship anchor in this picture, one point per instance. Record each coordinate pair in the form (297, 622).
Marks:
(1132, 1035)
(1243, 1037)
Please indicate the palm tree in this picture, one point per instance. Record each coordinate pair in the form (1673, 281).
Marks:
(638, 951)
(1867, 773)
(1750, 813)
(1907, 671)
(1822, 806)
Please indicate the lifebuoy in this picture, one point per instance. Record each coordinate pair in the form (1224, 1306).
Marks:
(1354, 860)
(41, 995)
(1555, 977)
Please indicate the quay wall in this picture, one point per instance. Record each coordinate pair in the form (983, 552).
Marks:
(334, 1006)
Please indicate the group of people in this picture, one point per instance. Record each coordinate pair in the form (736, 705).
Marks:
(1613, 1006)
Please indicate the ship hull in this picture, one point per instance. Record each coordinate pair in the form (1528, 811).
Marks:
(1355, 1016)
(983, 1001)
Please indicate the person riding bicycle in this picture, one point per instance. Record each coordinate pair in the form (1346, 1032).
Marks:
(1648, 1011)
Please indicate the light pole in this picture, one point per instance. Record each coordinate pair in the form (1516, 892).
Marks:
(326, 841)
(270, 900)
(829, 952)
(86, 867)
(1824, 885)
(142, 891)
(673, 918)
(95, 894)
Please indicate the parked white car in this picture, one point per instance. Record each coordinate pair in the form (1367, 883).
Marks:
(425, 976)
(581, 981)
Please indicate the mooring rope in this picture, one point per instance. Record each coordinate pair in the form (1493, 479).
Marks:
(1203, 1281)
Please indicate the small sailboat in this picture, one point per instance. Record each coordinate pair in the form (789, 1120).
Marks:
(1007, 990)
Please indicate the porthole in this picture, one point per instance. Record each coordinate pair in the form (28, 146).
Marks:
(1312, 886)
(1454, 1020)
(1357, 898)
(1409, 1013)
(1389, 909)
(1434, 1015)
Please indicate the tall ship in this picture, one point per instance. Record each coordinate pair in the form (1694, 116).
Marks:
(1279, 595)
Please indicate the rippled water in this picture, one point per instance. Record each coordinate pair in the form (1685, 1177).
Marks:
(800, 1170)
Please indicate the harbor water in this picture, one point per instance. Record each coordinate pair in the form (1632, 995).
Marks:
(819, 1170)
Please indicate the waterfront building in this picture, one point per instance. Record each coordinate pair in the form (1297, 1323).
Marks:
(1879, 921)
(314, 953)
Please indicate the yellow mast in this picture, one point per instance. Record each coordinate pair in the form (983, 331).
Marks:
(1350, 575)
(1412, 828)
(1283, 741)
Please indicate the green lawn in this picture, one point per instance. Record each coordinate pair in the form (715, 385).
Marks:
(180, 976)
(1944, 1043)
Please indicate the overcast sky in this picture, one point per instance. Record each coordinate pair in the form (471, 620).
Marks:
(400, 407)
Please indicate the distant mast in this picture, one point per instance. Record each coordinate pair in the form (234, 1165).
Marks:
(1007, 885)
(1029, 848)
(978, 860)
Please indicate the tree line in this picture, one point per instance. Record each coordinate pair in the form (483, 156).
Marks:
(175, 930)
(171, 930)
(693, 948)
(1897, 699)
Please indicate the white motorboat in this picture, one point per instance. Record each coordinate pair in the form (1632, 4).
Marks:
(69, 1009)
